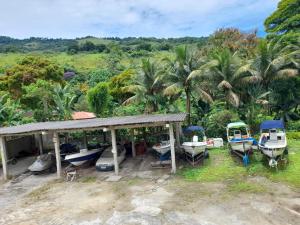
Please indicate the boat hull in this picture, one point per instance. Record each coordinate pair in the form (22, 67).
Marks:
(272, 153)
(162, 149)
(243, 147)
(194, 150)
(78, 159)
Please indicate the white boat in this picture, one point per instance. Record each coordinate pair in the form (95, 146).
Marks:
(106, 161)
(272, 141)
(239, 138)
(162, 147)
(83, 156)
(194, 148)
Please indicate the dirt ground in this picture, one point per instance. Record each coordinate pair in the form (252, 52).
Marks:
(142, 196)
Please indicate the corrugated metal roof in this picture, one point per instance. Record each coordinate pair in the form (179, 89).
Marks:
(91, 123)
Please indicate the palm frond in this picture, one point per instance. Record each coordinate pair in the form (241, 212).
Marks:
(134, 88)
(233, 98)
(205, 96)
(133, 99)
(173, 89)
(286, 73)
(224, 85)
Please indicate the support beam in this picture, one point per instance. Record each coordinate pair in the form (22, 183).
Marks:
(177, 135)
(4, 157)
(85, 141)
(133, 144)
(172, 142)
(57, 153)
(114, 150)
(40, 143)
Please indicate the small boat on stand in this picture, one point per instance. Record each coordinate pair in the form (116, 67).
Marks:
(273, 142)
(163, 147)
(239, 140)
(195, 150)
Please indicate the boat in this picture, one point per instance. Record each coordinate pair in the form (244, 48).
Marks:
(83, 156)
(273, 142)
(239, 138)
(106, 161)
(195, 149)
(67, 149)
(163, 147)
(43, 163)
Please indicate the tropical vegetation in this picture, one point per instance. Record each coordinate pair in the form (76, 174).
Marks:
(228, 76)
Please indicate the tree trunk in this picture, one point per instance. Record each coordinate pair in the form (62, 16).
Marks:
(188, 106)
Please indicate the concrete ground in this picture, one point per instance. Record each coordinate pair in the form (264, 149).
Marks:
(143, 195)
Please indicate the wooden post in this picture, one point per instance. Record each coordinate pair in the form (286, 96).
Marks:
(40, 143)
(85, 141)
(133, 144)
(4, 157)
(114, 150)
(67, 137)
(57, 153)
(177, 135)
(171, 130)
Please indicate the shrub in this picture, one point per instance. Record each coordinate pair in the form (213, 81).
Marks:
(217, 120)
(98, 98)
(98, 75)
(293, 135)
(293, 125)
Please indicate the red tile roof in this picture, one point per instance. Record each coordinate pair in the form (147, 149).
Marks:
(83, 115)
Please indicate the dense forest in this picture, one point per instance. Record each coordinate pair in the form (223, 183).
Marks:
(230, 75)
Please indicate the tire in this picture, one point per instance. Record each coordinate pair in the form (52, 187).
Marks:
(286, 151)
(206, 154)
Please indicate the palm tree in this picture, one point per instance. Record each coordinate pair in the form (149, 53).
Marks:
(272, 62)
(223, 71)
(146, 87)
(64, 99)
(177, 76)
(257, 98)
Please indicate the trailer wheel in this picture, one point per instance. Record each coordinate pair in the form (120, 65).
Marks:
(206, 154)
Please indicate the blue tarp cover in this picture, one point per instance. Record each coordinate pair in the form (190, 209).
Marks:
(269, 124)
(192, 129)
(244, 140)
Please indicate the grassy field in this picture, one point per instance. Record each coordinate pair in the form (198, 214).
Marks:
(222, 166)
(82, 62)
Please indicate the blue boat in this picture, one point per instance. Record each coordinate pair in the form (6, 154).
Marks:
(84, 156)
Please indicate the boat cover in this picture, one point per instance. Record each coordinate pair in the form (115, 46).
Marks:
(269, 124)
(242, 139)
(192, 129)
(236, 125)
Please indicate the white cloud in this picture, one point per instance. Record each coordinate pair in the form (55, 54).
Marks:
(160, 18)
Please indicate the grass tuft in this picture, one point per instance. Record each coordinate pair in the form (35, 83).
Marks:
(242, 186)
(88, 179)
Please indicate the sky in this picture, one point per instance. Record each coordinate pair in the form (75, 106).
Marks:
(130, 18)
